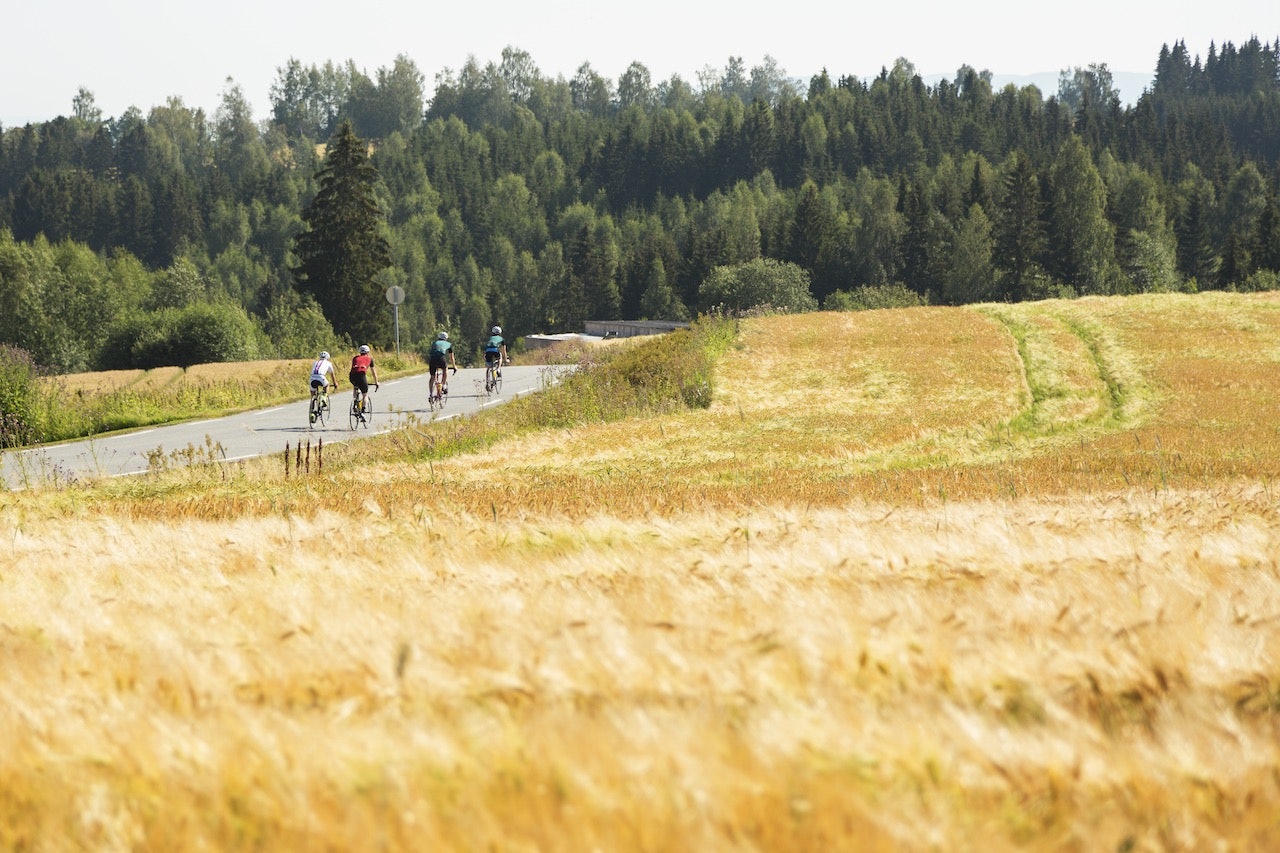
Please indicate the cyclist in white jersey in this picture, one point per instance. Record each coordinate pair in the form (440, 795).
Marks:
(322, 373)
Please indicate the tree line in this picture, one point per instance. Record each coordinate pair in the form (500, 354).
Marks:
(508, 196)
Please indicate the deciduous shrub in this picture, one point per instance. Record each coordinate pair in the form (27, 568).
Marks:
(198, 334)
(782, 286)
(896, 295)
(18, 393)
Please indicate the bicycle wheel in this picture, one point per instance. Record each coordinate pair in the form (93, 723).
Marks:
(353, 414)
(313, 410)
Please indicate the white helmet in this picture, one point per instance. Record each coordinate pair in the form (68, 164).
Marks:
(444, 336)
(364, 349)
(324, 354)
(497, 330)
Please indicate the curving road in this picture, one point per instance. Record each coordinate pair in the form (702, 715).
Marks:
(258, 433)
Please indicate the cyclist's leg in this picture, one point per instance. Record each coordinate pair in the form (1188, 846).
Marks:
(359, 388)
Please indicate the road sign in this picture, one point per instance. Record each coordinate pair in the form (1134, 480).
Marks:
(395, 295)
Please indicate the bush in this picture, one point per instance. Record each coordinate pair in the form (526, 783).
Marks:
(782, 286)
(205, 333)
(1259, 281)
(867, 297)
(198, 334)
(18, 397)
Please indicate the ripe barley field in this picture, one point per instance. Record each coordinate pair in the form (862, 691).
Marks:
(987, 578)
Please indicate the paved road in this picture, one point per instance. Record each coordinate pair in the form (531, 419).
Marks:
(258, 433)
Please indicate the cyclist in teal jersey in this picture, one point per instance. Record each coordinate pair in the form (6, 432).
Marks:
(440, 357)
(495, 349)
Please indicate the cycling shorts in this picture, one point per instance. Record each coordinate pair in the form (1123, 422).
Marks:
(360, 380)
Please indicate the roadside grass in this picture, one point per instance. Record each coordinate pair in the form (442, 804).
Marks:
(88, 404)
(990, 578)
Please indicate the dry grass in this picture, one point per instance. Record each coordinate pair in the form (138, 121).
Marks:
(97, 382)
(176, 379)
(984, 579)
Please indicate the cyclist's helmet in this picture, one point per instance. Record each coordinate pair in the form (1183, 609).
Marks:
(324, 354)
(364, 349)
(497, 330)
(444, 336)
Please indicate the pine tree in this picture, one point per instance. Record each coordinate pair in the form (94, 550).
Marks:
(342, 251)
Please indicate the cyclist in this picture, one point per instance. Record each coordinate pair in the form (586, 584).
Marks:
(495, 349)
(361, 366)
(441, 355)
(322, 376)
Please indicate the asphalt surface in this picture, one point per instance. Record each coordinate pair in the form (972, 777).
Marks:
(260, 432)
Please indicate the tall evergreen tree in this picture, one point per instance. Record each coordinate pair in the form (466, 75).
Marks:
(1236, 263)
(1019, 230)
(970, 276)
(659, 302)
(1081, 240)
(342, 250)
(1266, 244)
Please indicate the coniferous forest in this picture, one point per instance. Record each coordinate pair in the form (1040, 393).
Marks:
(501, 195)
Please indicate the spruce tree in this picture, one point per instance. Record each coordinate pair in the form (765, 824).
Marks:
(342, 250)
(1019, 233)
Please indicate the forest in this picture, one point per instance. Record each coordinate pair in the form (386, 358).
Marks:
(504, 196)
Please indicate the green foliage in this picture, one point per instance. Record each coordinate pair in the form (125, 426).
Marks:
(198, 334)
(343, 249)
(296, 327)
(1260, 280)
(180, 286)
(869, 297)
(762, 283)
(18, 397)
(1082, 240)
(58, 301)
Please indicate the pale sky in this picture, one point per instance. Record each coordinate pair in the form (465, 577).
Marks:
(142, 52)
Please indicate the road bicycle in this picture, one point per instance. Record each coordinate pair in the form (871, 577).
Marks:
(493, 377)
(361, 414)
(318, 408)
(438, 393)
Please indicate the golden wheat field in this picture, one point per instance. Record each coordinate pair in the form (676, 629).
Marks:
(986, 578)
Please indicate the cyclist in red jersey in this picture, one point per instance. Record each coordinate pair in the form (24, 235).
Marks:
(361, 368)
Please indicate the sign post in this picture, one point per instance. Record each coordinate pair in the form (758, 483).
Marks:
(395, 295)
